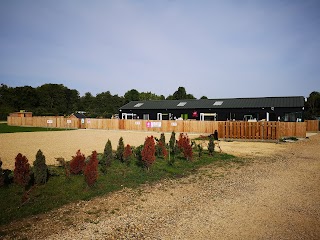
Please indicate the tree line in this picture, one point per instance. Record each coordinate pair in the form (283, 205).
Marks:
(59, 100)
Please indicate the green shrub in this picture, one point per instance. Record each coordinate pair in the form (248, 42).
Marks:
(1, 174)
(106, 157)
(120, 150)
(200, 150)
(173, 148)
(40, 168)
(138, 155)
(211, 145)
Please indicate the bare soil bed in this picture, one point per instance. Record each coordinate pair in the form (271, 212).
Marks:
(273, 195)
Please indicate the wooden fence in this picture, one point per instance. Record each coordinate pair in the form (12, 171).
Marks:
(227, 130)
(312, 125)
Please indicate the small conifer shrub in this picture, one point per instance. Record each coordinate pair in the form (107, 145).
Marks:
(148, 152)
(21, 173)
(91, 170)
(40, 168)
(211, 145)
(107, 157)
(138, 155)
(77, 163)
(163, 138)
(127, 155)
(161, 149)
(120, 150)
(173, 148)
(1, 174)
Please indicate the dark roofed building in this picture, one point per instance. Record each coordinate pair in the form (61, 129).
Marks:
(268, 108)
(78, 115)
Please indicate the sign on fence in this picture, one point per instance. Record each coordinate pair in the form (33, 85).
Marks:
(153, 124)
(49, 121)
(68, 121)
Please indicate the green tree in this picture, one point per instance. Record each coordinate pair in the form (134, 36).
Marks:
(180, 94)
(131, 95)
(52, 99)
(6, 101)
(313, 106)
(204, 97)
(143, 96)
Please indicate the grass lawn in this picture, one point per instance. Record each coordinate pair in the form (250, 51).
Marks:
(60, 190)
(5, 128)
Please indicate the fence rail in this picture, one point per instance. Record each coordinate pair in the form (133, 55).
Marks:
(228, 130)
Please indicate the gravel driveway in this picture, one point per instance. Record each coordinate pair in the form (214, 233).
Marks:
(275, 196)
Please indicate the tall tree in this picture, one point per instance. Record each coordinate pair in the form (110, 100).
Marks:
(150, 96)
(52, 98)
(313, 105)
(131, 95)
(180, 94)
(6, 101)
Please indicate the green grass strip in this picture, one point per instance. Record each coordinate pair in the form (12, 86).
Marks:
(5, 128)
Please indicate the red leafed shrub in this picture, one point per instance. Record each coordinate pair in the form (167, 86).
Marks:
(185, 146)
(91, 170)
(127, 154)
(148, 152)
(77, 163)
(21, 173)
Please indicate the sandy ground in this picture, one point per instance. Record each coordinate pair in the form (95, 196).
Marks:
(66, 143)
(275, 196)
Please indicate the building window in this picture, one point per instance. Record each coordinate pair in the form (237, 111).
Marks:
(145, 116)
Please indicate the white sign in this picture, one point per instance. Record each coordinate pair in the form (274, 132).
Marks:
(68, 121)
(137, 123)
(174, 124)
(88, 120)
(153, 124)
(82, 120)
(49, 121)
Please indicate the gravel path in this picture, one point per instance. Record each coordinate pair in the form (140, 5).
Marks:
(274, 197)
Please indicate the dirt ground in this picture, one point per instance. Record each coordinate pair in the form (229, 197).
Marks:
(273, 195)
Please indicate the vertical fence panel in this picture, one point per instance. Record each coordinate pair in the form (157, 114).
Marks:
(228, 130)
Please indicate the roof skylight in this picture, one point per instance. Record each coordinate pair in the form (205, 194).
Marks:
(181, 104)
(138, 105)
(218, 103)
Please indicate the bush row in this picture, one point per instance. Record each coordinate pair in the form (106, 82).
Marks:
(144, 155)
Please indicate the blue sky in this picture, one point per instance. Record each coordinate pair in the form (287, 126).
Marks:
(220, 49)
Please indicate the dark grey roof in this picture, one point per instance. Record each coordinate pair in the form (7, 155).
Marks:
(79, 115)
(285, 102)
